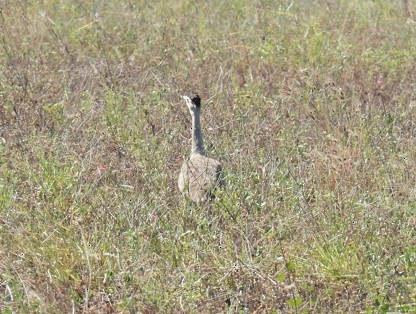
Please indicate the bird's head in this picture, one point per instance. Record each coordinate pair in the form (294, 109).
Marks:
(193, 102)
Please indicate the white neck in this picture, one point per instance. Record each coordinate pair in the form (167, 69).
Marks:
(197, 142)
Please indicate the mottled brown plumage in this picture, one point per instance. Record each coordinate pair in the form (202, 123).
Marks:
(199, 174)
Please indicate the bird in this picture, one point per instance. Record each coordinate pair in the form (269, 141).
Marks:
(199, 175)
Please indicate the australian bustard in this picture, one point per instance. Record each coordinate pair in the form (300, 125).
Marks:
(199, 174)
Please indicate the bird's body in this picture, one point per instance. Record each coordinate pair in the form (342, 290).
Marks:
(199, 174)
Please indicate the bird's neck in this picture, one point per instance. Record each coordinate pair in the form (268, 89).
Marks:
(197, 142)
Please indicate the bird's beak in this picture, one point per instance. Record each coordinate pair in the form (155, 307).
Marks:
(187, 99)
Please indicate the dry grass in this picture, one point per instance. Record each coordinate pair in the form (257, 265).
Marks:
(309, 105)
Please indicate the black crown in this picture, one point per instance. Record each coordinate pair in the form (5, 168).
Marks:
(196, 99)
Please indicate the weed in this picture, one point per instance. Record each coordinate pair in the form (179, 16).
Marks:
(309, 106)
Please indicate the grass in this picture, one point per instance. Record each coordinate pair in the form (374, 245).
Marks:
(308, 104)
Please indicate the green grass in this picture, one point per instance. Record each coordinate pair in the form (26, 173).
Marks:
(309, 105)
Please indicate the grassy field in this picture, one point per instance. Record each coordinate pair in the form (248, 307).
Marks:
(309, 105)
